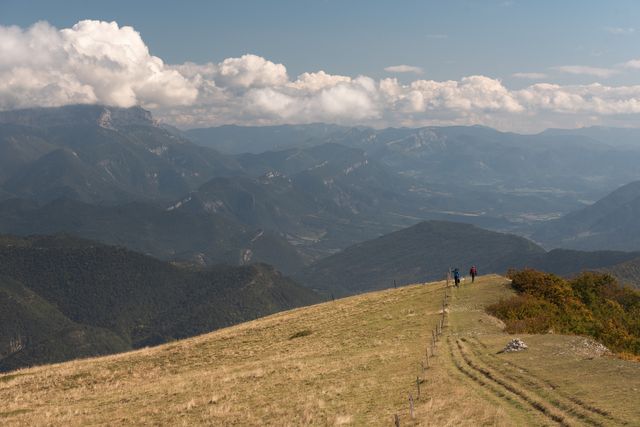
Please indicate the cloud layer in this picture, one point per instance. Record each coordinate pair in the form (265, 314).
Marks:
(101, 62)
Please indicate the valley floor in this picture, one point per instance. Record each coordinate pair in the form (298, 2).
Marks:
(352, 361)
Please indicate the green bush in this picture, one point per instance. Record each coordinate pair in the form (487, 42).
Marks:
(590, 304)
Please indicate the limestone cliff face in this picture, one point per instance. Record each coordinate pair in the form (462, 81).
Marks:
(103, 116)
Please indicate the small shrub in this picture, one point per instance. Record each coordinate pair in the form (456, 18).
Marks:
(524, 313)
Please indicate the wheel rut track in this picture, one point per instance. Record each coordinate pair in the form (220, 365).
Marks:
(469, 373)
(554, 410)
(521, 375)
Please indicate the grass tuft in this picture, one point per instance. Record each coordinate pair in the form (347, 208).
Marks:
(302, 333)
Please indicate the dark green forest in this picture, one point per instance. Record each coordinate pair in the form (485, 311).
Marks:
(64, 297)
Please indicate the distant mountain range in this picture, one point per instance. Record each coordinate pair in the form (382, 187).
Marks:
(291, 195)
(99, 154)
(426, 251)
(479, 170)
(319, 199)
(62, 298)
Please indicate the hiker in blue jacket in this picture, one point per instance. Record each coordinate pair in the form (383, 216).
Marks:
(456, 277)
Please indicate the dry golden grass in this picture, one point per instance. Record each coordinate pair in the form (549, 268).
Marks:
(349, 362)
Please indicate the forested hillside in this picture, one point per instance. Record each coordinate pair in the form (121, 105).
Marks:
(66, 297)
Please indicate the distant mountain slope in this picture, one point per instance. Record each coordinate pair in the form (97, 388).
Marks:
(122, 151)
(232, 139)
(19, 146)
(614, 137)
(427, 250)
(116, 299)
(291, 161)
(322, 198)
(61, 173)
(610, 223)
(422, 252)
(627, 272)
(4, 195)
(174, 234)
(568, 262)
(35, 331)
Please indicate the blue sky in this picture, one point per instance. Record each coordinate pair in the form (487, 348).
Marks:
(448, 39)
(516, 42)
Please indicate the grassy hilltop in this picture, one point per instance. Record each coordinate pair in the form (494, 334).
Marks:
(353, 361)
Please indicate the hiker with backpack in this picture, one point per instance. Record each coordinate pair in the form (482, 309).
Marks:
(473, 273)
(456, 277)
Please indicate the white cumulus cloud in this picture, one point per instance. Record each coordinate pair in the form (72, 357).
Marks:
(92, 62)
(251, 71)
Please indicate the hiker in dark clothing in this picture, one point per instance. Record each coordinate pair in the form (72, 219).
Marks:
(473, 273)
(456, 277)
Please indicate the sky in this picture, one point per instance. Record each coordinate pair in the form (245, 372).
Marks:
(514, 65)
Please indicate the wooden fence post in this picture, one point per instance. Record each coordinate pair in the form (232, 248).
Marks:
(411, 405)
(396, 420)
(418, 386)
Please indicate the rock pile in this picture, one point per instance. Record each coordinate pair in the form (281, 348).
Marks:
(589, 348)
(514, 345)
